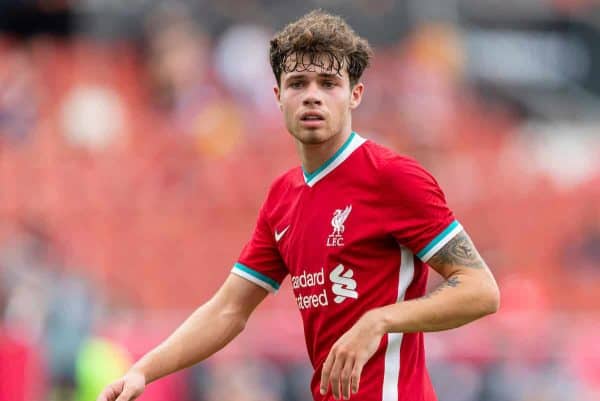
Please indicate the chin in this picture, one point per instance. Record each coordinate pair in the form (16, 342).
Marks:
(311, 137)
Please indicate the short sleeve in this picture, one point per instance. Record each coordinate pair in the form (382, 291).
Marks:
(260, 260)
(416, 212)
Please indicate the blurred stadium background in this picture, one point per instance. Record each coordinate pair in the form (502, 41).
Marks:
(138, 138)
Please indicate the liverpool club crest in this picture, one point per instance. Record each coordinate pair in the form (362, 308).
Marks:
(336, 238)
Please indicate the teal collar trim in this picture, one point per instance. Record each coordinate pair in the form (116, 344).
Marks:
(351, 144)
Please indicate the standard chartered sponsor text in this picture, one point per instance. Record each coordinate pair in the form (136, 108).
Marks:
(309, 280)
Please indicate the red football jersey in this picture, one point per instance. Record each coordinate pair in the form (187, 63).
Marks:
(347, 234)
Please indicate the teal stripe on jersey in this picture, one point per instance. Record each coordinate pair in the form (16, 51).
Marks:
(310, 176)
(257, 275)
(441, 236)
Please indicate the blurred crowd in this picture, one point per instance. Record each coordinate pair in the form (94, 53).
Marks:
(131, 172)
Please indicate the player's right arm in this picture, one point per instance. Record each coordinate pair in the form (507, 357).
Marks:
(207, 330)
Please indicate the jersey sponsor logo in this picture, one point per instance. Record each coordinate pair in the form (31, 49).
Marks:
(344, 285)
(279, 235)
(307, 280)
(336, 238)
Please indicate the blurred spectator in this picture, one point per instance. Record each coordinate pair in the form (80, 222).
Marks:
(68, 324)
(179, 60)
(24, 278)
(297, 376)
(181, 71)
(242, 60)
(19, 98)
(515, 381)
(46, 306)
(428, 84)
(456, 381)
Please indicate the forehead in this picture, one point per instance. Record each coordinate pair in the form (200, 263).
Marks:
(319, 64)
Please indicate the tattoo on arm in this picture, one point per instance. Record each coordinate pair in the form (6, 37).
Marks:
(459, 251)
(451, 282)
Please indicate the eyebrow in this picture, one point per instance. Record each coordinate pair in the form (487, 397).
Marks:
(320, 75)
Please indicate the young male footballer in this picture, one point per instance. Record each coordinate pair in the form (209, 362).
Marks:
(354, 227)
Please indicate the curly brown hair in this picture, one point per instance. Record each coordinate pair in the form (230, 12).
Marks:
(322, 40)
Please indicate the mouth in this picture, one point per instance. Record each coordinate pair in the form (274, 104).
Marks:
(312, 115)
(312, 119)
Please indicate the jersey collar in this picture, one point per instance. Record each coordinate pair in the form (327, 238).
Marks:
(352, 143)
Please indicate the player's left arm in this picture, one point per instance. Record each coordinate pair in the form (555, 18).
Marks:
(468, 293)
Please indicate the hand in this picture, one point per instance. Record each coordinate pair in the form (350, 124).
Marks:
(128, 388)
(349, 354)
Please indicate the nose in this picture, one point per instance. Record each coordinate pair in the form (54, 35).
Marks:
(312, 95)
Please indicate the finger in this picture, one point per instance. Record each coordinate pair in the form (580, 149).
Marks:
(325, 372)
(104, 396)
(356, 373)
(127, 394)
(334, 378)
(111, 391)
(345, 377)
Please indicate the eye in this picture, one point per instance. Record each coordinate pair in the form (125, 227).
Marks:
(328, 84)
(296, 84)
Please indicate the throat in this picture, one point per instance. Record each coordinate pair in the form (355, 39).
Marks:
(316, 156)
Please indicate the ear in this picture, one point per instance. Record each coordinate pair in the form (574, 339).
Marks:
(277, 93)
(356, 95)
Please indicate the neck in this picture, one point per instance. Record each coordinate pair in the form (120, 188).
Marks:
(314, 156)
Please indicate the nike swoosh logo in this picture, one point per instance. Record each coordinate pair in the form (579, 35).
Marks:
(279, 235)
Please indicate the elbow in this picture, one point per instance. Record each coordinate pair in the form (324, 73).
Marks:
(235, 324)
(234, 321)
(490, 300)
(239, 325)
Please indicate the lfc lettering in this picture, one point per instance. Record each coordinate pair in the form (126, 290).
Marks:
(335, 240)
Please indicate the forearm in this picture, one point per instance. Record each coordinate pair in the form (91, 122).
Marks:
(205, 332)
(463, 298)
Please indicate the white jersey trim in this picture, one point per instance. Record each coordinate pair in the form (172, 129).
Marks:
(257, 278)
(440, 241)
(391, 375)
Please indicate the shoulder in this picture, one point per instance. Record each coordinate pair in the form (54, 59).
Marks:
(283, 185)
(291, 178)
(393, 167)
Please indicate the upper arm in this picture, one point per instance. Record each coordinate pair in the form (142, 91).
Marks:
(418, 217)
(414, 209)
(239, 296)
(460, 256)
(258, 271)
(260, 261)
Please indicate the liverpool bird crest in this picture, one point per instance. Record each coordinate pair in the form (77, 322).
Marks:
(336, 238)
